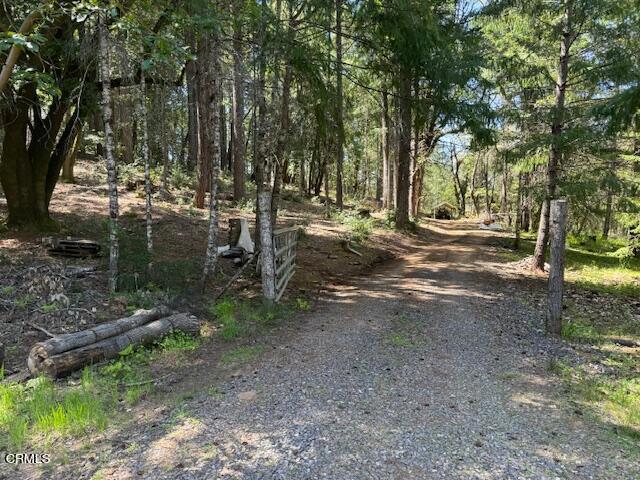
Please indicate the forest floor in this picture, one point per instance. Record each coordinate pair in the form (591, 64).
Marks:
(434, 365)
(39, 290)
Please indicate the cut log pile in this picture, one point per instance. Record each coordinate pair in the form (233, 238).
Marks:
(70, 247)
(64, 354)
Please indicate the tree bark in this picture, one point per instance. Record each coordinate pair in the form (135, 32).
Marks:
(16, 48)
(62, 343)
(213, 125)
(608, 214)
(556, 150)
(556, 268)
(165, 138)
(267, 254)
(460, 186)
(404, 152)
(239, 166)
(147, 166)
(281, 144)
(71, 156)
(261, 161)
(68, 361)
(192, 106)
(504, 192)
(206, 133)
(31, 160)
(109, 153)
(339, 109)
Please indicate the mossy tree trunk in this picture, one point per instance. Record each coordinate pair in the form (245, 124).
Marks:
(34, 149)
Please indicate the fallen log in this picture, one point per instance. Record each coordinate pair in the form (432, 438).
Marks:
(68, 361)
(63, 343)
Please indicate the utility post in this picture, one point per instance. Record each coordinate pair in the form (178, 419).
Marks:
(558, 229)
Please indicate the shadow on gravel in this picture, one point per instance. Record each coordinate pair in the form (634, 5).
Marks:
(462, 395)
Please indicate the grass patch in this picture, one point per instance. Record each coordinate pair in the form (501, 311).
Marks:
(596, 266)
(38, 407)
(239, 318)
(241, 355)
(303, 304)
(577, 330)
(613, 400)
(399, 339)
(75, 407)
(178, 341)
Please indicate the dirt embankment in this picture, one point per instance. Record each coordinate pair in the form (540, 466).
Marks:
(37, 290)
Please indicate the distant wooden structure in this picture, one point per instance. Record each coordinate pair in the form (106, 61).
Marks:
(285, 241)
(445, 211)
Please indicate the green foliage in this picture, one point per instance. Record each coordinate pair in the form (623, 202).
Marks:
(178, 341)
(225, 312)
(399, 339)
(38, 407)
(180, 178)
(49, 307)
(243, 318)
(577, 330)
(303, 304)
(241, 355)
(359, 229)
(72, 409)
(599, 271)
(7, 291)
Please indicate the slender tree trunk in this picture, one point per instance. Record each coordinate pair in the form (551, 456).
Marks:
(302, 172)
(192, 106)
(339, 108)
(608, 213)
(239, 140)
(107, 115)
(281, 145)
(261, 162)
(165, 139)
(519, 208)
(225, 160)
(460, 189)
(387, 167)
(556, 150)
(504, 192)
(147, 165)
(213, 124)
(488, 198)
(327, 198)
(473, 193)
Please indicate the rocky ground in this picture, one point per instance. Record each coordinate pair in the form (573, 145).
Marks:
(428, 367)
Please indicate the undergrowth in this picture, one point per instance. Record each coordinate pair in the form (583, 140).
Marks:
(359, 228)
(612, 398)
(239, 318)
(44, 409)
(594, 265)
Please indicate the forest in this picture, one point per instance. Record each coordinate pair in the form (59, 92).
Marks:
(438, 133)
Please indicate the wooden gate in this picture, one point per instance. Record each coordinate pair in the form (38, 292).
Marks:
(285, 241)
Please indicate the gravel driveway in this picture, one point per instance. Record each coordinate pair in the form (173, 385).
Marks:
(428, 368)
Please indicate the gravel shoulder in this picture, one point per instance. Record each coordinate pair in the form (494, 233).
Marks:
(428, 367)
